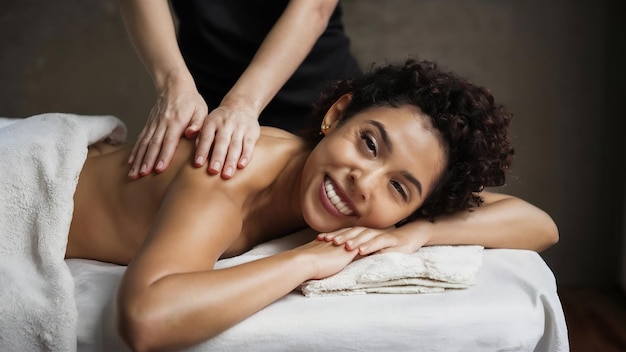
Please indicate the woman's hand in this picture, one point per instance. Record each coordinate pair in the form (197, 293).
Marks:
(326, 258)
(233, 132)
(178, 110)
(367, 241)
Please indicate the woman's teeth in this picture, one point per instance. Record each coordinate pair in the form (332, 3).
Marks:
(334, 198)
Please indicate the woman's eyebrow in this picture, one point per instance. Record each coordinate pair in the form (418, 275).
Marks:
(389, 145)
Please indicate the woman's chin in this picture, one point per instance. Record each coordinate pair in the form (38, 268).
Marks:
(320, 229)
(321, 226)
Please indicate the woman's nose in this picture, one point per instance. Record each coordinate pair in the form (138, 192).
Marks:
(363, 183)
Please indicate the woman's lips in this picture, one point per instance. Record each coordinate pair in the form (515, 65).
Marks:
(333, 199)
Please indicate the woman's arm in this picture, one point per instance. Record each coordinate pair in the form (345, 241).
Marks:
(170, 297)
(502, 221)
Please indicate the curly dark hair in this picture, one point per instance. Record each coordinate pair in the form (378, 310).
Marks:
(473, 127)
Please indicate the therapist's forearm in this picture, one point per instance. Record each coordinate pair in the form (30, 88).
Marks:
(151, 29)
(283, 50)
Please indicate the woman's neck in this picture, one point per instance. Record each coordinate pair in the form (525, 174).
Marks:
(284, 192)
(275, 210)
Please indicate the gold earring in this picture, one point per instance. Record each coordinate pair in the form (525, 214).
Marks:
(325, 126)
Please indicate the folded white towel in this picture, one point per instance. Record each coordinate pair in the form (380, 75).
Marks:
(430, 269)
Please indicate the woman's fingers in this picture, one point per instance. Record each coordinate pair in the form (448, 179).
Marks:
(368, 240)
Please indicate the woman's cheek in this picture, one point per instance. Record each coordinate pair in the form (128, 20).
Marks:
(383, 215)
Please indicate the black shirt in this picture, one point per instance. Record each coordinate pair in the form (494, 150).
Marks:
(218, 39)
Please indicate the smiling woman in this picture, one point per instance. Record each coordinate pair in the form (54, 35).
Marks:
(404, 144)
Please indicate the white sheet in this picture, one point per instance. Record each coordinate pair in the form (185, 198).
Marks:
(513, 306)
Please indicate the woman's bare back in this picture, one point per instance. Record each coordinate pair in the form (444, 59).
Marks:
(113, 214)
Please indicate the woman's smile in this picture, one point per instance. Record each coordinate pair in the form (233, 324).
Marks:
(335, 200)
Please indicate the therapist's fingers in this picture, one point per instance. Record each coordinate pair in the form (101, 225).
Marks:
(241, 148)
(221, 143)
(185, 122)
(251, 136)
(139, 150)
(228, 137)
(135, 150)
(196, 123)
(204, 140)
(233, 154)
(155, 148)
(166, 150)
(152, 150)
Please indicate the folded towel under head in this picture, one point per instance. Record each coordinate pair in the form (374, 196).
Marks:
(430, 269)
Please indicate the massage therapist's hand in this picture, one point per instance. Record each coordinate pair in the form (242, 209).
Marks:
(233, 133)
(179, 109)
(368, 241)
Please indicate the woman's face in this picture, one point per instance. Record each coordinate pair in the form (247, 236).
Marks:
(373, 170)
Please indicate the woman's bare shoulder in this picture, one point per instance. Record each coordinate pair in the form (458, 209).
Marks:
(275, 148)
(280, 139)
(276, 132)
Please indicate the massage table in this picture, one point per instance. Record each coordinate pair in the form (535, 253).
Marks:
(513, 306)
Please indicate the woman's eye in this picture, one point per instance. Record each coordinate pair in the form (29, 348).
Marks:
(369, 143)
(398, 187)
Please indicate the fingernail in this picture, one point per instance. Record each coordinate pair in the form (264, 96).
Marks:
(160, 165)
(199, 160)
(216, 166)
(131, 172)
(143, 168)
(229, 171)
(243, 162)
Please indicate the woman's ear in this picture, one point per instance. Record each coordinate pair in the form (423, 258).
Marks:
(335, 114)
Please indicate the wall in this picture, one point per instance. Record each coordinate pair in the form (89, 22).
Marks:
(546, 60)
(622, 278)
(614, 130)
(70, 56)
